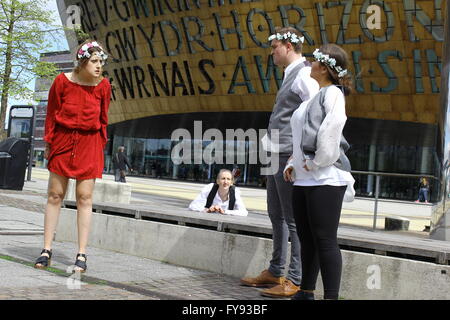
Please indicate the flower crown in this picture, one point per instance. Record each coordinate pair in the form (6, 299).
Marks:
(84, 53)
(331, 62)
(292, 37)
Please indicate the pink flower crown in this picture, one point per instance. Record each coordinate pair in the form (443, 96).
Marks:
(84, 53)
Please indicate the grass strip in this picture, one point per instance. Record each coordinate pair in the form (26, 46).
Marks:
(96, 281)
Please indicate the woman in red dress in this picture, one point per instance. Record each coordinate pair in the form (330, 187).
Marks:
(75, 136)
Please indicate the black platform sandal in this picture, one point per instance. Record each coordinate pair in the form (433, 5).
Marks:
(43, 262)
(80, 263)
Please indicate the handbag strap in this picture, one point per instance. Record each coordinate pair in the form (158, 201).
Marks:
(213, 192)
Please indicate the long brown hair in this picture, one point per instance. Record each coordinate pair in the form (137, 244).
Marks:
(341, 57)
(81, 62)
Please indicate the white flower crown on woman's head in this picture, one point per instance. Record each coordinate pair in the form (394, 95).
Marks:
(84, 53)
(331, 62)
(292, 37)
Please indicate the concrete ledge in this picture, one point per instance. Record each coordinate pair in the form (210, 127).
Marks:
(104, 191)
(259, 225)
(396, 223)
(392, 207)
(364, 276)
(440, 222)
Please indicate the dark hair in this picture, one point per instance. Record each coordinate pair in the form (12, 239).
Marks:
(83, 61)
(282, 30)
(341, 57)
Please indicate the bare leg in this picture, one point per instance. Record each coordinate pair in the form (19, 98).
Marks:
(84, 191)
(57, 186)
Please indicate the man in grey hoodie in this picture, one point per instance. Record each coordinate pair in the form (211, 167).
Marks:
(298, 86)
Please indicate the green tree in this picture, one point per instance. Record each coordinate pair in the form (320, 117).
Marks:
(25, 31)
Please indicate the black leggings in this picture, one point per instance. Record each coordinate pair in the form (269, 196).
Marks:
(317, 210)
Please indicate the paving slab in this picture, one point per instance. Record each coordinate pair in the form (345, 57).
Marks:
(110, 275)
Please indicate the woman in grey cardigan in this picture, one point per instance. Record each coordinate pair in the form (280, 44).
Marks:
(320, 173)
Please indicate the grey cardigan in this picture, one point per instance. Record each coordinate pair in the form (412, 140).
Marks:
(314, 116)
(286, 103)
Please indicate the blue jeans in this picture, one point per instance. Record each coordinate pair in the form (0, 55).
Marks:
(118, 177)
(423, 194)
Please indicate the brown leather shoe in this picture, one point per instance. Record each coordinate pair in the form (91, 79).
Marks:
(265, 279)
(284, 290)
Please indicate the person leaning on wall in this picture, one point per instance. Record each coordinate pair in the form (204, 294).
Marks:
(424, 190)
(221, 197)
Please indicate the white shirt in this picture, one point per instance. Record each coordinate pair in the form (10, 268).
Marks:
(199, 203)
(304, 86)
(321, 168)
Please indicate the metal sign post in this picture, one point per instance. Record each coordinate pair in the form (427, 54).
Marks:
(21, 125)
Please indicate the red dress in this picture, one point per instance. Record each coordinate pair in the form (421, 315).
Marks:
(75, 128)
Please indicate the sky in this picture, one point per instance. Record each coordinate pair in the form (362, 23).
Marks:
(57, 46)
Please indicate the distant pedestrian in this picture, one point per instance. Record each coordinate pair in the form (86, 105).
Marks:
(158, 170)
(120, 165)
(153, 169)
(75, 135)
(236, 174)
(424, 190)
